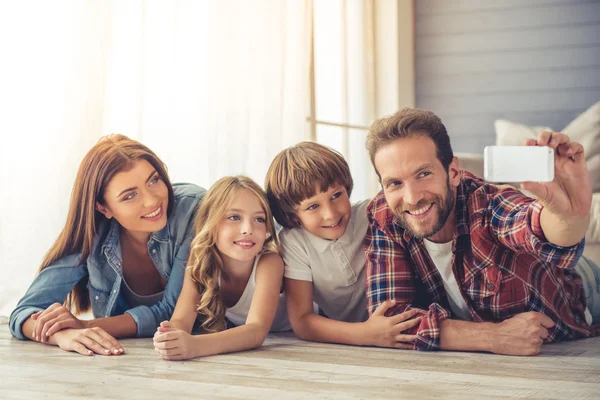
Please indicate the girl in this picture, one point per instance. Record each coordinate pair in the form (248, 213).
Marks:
(122, 251)
(234, 271)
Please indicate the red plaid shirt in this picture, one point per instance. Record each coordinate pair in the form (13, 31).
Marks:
(501, 260)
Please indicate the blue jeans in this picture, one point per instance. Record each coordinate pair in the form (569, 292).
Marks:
(590, 276)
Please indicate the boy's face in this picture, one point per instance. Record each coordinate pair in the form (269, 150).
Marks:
(326, 214)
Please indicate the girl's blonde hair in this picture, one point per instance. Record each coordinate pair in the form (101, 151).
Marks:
(205, 262)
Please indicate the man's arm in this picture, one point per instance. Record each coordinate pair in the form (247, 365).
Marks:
(390, 277)
(567, 200)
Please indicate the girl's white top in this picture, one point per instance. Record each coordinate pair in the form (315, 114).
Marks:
(239, 312)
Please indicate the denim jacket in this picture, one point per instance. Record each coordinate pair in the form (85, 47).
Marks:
(169, 249)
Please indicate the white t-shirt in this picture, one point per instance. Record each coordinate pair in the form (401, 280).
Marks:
(441, 255)
(239, 312)
(335, 267)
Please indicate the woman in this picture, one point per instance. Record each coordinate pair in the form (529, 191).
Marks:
(122, 251)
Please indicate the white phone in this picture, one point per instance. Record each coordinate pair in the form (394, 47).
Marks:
(518, 163)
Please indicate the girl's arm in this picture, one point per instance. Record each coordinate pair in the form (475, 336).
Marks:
(175, 344)
(185, 310)
(378, 330)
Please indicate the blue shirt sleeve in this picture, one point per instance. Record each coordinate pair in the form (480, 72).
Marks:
(51, 285)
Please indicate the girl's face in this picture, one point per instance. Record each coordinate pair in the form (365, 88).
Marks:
(137, 198)
(243, 230)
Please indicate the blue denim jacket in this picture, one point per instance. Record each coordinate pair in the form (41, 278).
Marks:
(169, 249)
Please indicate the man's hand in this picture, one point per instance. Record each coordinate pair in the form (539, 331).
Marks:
(521, 335)
(569, 195)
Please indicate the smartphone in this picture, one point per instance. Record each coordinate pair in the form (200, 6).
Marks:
(518, 163)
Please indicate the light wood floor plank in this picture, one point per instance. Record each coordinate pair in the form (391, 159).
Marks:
(286, 367)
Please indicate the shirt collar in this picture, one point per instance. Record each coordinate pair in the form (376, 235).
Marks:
(321, 244)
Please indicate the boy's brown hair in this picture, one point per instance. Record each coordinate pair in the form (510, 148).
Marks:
(300, 172)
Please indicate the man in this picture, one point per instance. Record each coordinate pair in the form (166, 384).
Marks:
(490, 268)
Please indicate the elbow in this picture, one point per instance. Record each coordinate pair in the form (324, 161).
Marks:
(259, 334)
(300, 327)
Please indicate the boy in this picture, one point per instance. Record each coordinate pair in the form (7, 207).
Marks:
(309, 187)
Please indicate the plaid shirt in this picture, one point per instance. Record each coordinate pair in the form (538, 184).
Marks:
(501, 260)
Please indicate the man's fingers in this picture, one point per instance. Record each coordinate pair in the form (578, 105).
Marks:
(570, 149)
(552, 139)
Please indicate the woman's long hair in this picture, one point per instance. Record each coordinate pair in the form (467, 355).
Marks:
(205, 262)
(111, 155)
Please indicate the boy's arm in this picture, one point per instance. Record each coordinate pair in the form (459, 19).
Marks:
(379, 330)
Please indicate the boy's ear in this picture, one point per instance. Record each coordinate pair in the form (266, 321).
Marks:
(103, 210)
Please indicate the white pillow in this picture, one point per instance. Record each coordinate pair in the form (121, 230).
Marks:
(584, 129)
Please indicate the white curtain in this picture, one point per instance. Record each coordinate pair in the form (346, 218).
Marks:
(213, 87)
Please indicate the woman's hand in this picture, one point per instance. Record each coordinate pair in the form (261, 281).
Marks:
(174, 344)
(385, 331)
(88, 341)
(53, 319)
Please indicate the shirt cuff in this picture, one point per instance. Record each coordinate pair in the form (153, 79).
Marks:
(559, 256)
(298, 275)
(18, 319)
(144, 319)
(428, 334)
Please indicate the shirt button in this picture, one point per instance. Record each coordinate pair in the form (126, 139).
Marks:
(115, 291)
(490, 286)
(153, 251)
(97, 298)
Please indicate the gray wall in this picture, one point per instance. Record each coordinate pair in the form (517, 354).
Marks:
(532, 61)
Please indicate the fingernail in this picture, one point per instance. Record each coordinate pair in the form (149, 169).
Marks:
(115, 351)
(106, 351)
(121, 350)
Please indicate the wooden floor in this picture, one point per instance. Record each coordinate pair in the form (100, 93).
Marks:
(288, 368)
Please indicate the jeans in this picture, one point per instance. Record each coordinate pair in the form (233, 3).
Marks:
(590, 275)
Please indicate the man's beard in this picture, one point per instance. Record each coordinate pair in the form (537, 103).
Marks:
(445, 205)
